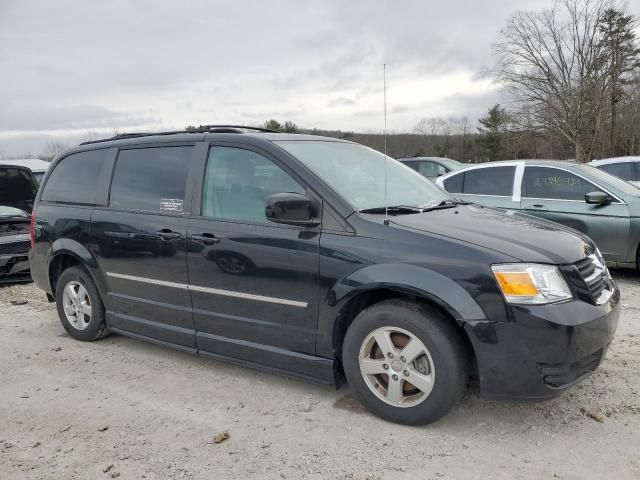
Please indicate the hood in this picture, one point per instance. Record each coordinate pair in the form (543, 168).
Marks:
(18, 187)
(520, 236)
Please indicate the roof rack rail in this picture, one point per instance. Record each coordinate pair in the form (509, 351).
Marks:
(200, 129)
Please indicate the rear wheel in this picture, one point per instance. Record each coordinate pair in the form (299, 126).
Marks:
(79, 305)
(405, 362)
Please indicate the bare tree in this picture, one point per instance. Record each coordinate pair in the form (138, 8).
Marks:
(53, 149)
(554, 65)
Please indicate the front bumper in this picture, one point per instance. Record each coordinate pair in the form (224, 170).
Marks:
(14, 268)
(543, 349)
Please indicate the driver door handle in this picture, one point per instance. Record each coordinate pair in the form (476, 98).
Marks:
(166, 234)
(205, 238)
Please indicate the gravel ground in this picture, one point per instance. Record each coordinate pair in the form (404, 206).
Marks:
(122, 408)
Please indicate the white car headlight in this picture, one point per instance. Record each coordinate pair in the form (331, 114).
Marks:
(530, 283)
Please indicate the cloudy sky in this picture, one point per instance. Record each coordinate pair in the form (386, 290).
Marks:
(73, 66)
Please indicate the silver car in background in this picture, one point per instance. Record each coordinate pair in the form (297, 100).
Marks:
(626, 168)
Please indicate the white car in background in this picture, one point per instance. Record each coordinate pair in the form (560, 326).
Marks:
(626, 168)
(38, 167)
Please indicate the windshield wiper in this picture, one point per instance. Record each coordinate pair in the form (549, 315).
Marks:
(394, 209)
(444, 204)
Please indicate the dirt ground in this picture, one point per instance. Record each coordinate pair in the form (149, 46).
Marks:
(122, 408)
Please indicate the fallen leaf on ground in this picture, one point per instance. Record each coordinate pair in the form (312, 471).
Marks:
(56, 349)
(107, 468)
(221, 437)
(595, 416)
(19, 302)
(103, 429)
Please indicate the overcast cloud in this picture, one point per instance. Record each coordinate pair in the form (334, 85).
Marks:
(72, 66)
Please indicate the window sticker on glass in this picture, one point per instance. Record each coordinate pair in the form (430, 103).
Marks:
(549, 181)
(171, 205)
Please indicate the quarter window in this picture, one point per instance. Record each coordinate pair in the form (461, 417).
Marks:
(74, 178)
(496, 181)
(553, 183)
(623, 170)
(237, 183)
(151, 179)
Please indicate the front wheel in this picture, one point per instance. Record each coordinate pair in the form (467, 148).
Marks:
(405, 362)
(79, 305)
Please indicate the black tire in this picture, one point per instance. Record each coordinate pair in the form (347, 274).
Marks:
(97, 326)
(440, 338)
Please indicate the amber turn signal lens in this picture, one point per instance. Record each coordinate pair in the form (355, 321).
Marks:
(516, 283)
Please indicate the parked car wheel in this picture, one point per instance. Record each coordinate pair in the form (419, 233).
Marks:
(405, 362)
(80, 307)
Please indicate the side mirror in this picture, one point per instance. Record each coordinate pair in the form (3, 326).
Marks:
(290, 209)
(597, 198)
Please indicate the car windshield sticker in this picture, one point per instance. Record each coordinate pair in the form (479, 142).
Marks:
(171, 205)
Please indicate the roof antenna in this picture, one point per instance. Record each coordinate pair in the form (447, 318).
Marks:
(384, 89)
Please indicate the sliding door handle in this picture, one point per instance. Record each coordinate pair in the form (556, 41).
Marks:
(205, 238)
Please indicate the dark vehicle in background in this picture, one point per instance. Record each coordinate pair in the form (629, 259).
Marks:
(275, 251)
(602, 206)
(431, 167)
(37, 167)
(18, 190)
(18, 187)
(626, 168)
(14, 245)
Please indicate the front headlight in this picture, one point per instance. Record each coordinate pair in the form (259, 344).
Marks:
(530, 283)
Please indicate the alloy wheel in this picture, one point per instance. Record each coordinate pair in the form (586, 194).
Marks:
(396, 366)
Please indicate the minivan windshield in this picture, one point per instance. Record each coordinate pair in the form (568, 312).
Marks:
(357, 173)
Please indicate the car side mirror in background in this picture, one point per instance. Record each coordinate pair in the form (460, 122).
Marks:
(597, 198)
(290, 209)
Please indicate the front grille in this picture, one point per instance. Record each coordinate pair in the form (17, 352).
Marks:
(595, 276)
(14, 247)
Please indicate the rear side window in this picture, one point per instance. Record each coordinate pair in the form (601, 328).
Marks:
(555, 184)
(623, 170)
(74, 179)
(411, 163)
(454, 184)
(151, 179)
(489, 181)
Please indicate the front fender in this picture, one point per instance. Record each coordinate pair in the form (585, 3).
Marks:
(409, 279)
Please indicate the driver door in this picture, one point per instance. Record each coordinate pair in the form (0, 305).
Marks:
(254, 283)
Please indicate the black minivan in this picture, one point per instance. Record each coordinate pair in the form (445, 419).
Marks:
(318, 258)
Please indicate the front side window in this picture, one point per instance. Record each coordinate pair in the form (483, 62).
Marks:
(623, 170)
(555, 184)
(74, 178)
(237, 183)
(151, 179)
(496, 181)
(431, 169)
(362, 177)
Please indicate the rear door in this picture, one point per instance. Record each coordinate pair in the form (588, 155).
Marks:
(558, 195)
(140, 243)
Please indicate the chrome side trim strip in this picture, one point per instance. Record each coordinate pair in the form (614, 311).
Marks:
(212, 291)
